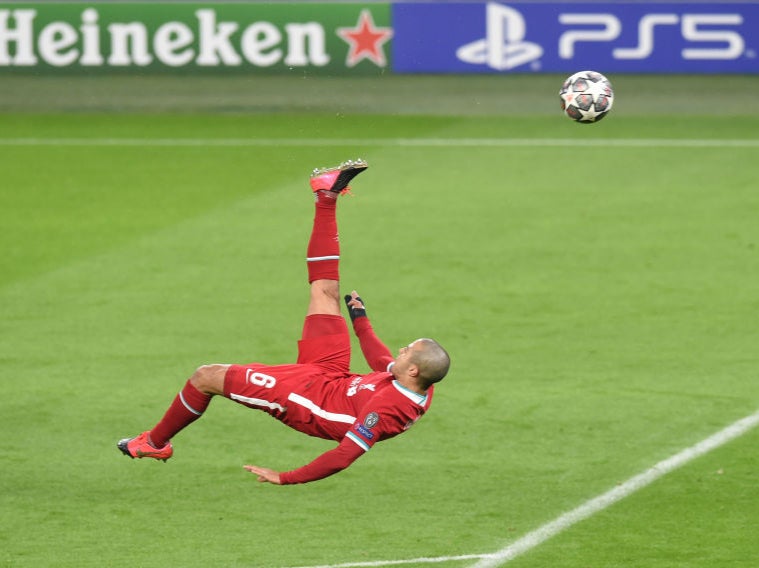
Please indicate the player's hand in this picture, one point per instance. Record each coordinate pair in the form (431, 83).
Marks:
(264, 475)
(356, 308)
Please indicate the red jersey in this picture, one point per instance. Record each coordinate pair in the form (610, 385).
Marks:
(355, 410)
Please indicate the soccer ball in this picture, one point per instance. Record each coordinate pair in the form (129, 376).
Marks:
(586, 97)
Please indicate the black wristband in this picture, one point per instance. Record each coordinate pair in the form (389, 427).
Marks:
(354, 312)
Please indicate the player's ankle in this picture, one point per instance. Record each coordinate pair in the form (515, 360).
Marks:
(326, 196)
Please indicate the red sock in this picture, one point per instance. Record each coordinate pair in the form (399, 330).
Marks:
(187, 407)
(323, 254)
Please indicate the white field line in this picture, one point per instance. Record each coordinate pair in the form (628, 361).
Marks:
(589, 508)
(380, 563)
(392, 142)
(584, 511)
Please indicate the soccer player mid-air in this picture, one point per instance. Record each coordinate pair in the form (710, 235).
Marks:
(317, 395)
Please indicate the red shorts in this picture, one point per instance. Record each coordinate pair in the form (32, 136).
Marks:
(324, 350)
(326, 342)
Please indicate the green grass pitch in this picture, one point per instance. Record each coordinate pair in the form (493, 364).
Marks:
(598, 298)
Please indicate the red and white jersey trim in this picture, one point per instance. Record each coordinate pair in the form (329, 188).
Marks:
(363, 445)
(318, 258)
(419, 399)
(320, 412)
(257, 402)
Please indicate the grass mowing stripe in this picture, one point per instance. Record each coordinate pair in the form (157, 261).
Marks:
(400, 142)
(587, 509)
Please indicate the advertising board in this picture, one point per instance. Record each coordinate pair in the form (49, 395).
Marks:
(375, 38)
(498, 37)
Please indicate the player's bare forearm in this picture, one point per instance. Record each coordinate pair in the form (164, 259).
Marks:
(265, 475)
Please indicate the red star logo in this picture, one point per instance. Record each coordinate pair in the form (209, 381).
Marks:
(365, 41)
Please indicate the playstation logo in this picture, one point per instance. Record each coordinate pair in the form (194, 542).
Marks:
(504, 47)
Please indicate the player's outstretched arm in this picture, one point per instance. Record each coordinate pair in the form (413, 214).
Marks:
(329, 463)
(375, 352)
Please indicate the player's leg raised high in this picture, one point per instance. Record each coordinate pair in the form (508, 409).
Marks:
(323, 253)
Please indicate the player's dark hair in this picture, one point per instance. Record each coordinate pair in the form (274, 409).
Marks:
(432, 360)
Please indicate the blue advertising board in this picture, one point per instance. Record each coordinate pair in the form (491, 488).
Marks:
(525, 37)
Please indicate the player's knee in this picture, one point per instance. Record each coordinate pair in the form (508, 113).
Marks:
(325, 297)
(209, 378)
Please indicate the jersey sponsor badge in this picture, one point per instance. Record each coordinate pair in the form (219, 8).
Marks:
(371, 420)
(364, 431)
